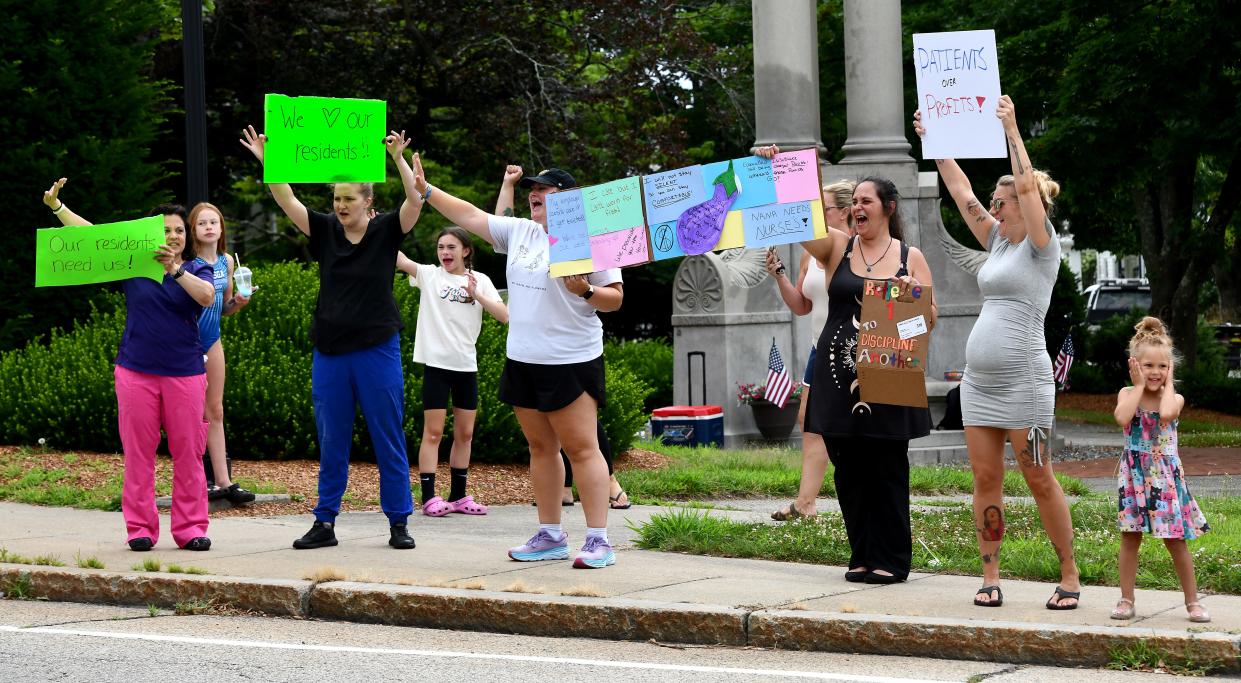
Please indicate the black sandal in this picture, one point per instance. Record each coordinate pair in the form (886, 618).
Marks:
(614, 501)
(1062, 594)
(995, 597)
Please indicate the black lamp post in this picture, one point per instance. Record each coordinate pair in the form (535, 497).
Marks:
(195, 102)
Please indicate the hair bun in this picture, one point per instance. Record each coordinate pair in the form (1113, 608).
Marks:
(1049, 188)
(1150, 325)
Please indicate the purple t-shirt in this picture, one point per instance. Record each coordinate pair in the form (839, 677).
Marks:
(161, 326)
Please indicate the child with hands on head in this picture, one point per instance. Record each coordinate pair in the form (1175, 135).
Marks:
(450, 317)
(1153, 496)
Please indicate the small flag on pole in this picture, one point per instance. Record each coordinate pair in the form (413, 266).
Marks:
(779, 384)
(1064, 360)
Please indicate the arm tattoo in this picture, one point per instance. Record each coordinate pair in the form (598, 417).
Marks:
(975, 209)
(507, 212)
(1021, 169)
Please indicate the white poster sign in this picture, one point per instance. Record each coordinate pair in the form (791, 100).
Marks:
(958, 89)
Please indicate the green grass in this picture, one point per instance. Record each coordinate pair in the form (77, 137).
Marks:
(951, 546)
(195, 606)
(697, 473)
(1191, 433)
(42, 560)
(147, 565)
(18, 588)
(1142, 656)
(91, 562)
(178, 569)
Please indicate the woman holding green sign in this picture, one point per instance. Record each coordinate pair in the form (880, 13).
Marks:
(356, 333)
(161, 382)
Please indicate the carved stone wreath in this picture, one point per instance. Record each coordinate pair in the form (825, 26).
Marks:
(698, 287)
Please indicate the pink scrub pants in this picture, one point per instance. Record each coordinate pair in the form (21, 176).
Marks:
(144, 403)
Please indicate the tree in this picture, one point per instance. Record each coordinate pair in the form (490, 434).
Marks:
(80, 101)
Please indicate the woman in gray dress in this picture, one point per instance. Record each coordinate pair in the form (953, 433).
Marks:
(1008, 392)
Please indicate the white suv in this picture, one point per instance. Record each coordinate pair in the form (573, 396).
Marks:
(1110, 298)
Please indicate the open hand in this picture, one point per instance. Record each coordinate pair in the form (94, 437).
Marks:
(420, 176)
(471, 285)
(396, 144)
(50, 198)
(512, 174)
(1135, 372)
(253, 141)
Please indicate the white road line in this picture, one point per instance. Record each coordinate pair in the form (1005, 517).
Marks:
(814, 675)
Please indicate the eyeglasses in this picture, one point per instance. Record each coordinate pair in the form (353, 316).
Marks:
(838, 208)
(998, 203)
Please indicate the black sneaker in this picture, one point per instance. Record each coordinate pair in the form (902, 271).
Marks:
(141, 544)
(237, 495)
(321, 535)
(198, 543)
(401, 540)
(215, 492)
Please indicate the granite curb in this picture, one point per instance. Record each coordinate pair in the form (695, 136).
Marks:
(622, 618)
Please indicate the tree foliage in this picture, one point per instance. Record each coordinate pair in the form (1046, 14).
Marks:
(81, 101)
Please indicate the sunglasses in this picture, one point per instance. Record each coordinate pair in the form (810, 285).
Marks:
(997, 203)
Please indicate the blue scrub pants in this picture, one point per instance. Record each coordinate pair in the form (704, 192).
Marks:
(339, 383)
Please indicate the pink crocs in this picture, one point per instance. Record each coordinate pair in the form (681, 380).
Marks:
(436, 507)
(467, 506)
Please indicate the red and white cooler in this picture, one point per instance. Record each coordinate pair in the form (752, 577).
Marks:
(689, 425)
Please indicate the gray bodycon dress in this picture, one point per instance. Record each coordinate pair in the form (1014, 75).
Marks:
(1008, 380)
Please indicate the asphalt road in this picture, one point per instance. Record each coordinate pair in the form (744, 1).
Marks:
(42, 641)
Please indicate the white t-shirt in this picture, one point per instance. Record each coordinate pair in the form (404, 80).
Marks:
(449, 320)
(548, 324)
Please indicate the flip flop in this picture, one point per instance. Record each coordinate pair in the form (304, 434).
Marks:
(614, 500)
(467, 506)
(1062, 594)
(793, 513)
(995, 597)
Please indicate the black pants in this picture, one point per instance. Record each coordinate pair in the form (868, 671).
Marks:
(872, 485)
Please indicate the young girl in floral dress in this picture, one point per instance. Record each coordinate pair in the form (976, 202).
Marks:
(1153, 497)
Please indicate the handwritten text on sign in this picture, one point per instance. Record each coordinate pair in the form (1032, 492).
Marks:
(891, 361)
(88, 254)
(324, 140)
(958, 88)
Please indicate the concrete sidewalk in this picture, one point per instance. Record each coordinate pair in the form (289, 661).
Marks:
(460, 578)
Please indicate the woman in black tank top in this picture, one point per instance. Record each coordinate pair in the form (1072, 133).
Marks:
(868, 442)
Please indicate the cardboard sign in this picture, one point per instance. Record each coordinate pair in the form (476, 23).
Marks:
(958, 89)
(324, 140)
(89, 254)
(891, 352)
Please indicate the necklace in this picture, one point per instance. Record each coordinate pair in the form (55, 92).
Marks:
(870, 265)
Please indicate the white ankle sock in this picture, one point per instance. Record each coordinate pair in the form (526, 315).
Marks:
(553, 529)
(600, 532)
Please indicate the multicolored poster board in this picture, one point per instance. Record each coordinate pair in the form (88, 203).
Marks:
(893, 338)
(89, 254)
(634, 220)
(324, 140)
(958, 89)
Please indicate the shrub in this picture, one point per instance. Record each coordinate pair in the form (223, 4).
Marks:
(64, 390)
(650, 360)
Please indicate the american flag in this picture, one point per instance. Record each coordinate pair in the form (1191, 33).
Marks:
(779, 384)
(1064, 360)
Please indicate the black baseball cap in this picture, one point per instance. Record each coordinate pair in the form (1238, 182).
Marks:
(554, 177)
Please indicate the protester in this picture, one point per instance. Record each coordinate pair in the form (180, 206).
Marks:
(161, 382)
(553, 373)
(356, 333)
(809, 295)
(450, 317)
(869, 442)
(617, 498)
(1008, 391)
(1153, 496)
(211, 246)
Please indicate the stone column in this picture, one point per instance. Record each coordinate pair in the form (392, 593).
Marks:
(873, 83)
(786, 74)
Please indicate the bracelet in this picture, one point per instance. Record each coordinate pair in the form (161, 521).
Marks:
(430, 189)
(56, 211)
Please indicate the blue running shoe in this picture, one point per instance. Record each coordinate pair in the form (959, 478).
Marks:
(596, 554)
(542, 546)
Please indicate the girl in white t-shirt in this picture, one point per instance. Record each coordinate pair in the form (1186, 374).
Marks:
(450, 316)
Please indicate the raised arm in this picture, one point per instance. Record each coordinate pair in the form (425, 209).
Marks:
(1170, 402)
(504, 202)
(972, 211)
(281, 192)
(496, 307)
(412, 206)
(459, 211)
(791, 293)
(1032, 212)
(1129, 397)
(52, 200)
(406, 265)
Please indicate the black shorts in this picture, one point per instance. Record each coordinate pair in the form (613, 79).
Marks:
(548, 388)
(437, 383)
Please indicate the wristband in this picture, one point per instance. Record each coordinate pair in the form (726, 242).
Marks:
(56, 211)
(430, 189)
(180, 271)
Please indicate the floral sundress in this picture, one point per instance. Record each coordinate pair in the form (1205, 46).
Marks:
(1153, 495)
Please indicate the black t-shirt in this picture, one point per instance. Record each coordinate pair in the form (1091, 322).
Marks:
(355, 309)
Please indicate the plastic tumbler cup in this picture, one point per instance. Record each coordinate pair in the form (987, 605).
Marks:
(241, 280)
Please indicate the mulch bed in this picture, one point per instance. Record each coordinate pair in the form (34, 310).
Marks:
(489, 484)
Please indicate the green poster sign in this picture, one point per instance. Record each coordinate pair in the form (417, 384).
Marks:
(87, 254)
(324, 140)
